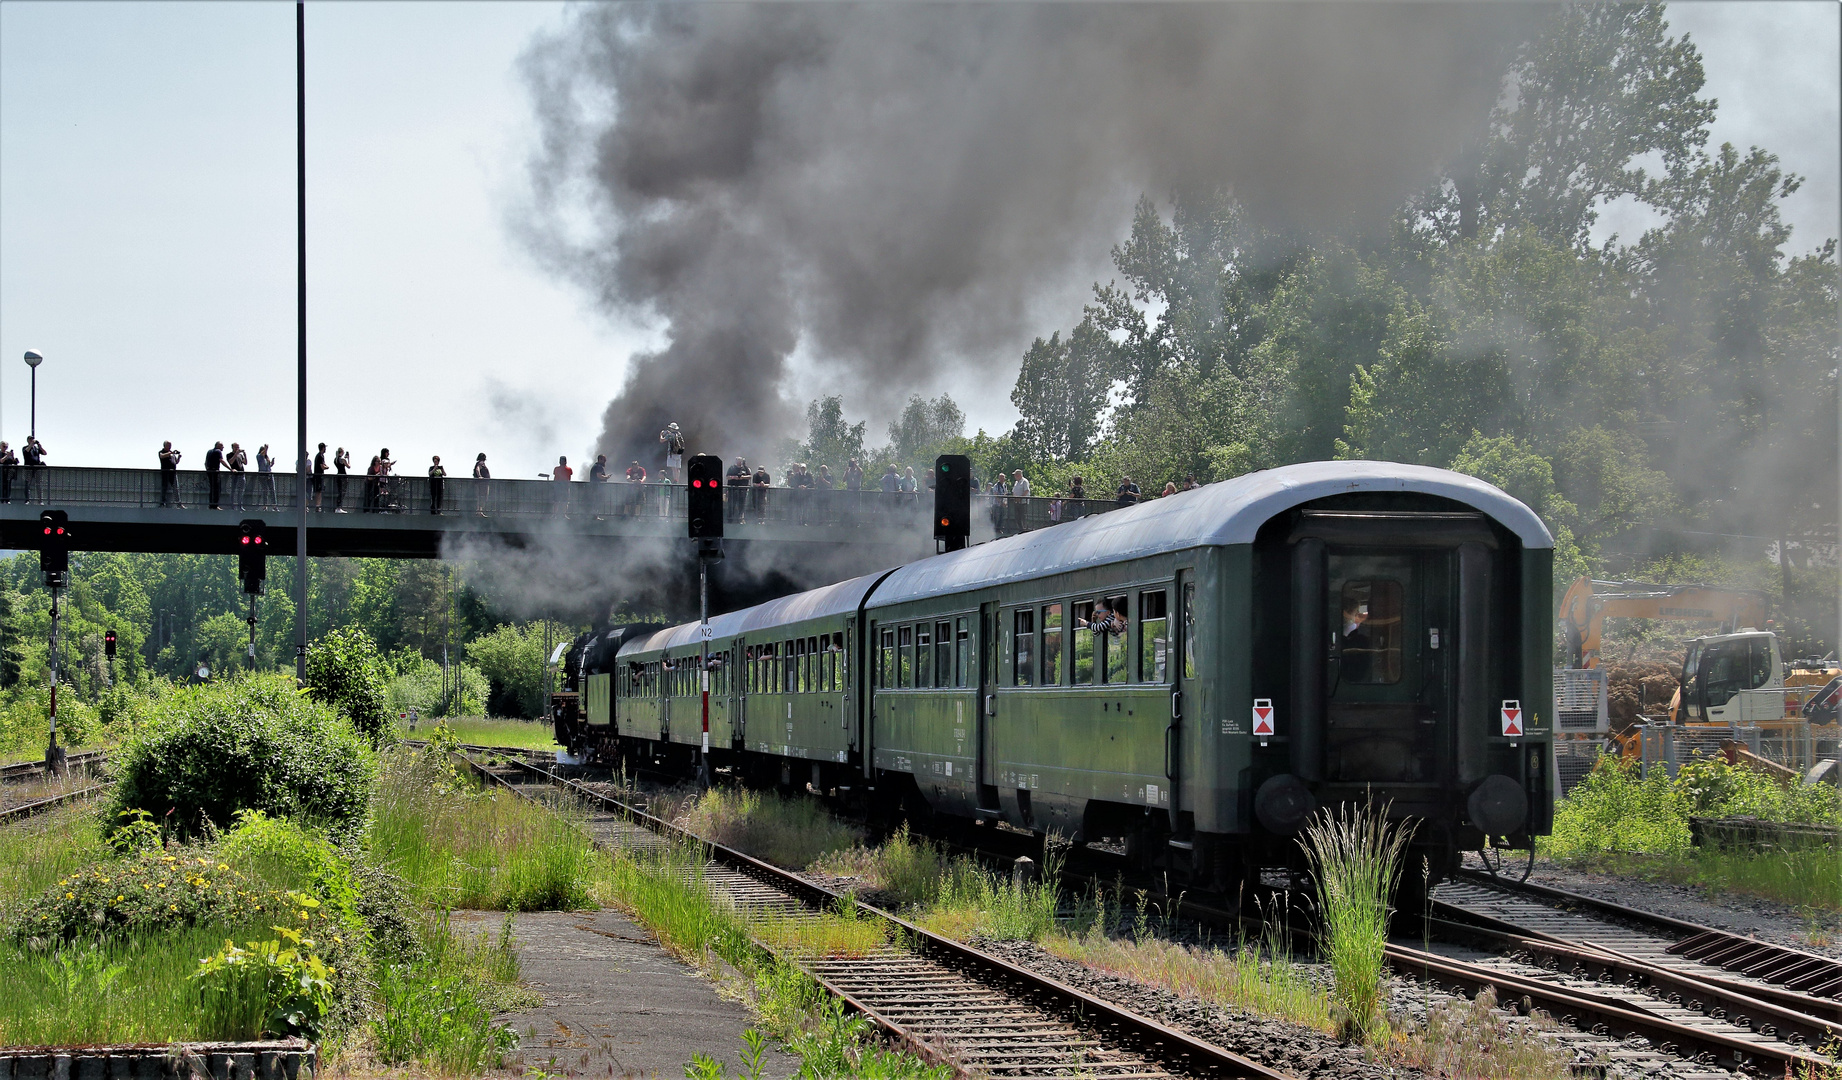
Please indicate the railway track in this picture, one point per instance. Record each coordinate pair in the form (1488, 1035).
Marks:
(946, 1001)
(29, 770)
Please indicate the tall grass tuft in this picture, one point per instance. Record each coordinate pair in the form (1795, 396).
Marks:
(1355, 857)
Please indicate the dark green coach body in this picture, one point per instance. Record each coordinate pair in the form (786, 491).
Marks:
(1198, 672)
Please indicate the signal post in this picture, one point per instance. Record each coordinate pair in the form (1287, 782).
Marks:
(54, 563)
(705, 513)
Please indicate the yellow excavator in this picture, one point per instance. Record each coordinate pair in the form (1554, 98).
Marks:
(1718, 669)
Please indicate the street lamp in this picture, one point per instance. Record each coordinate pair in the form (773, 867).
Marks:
(33, 359)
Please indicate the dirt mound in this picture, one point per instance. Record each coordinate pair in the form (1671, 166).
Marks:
(1636, 690)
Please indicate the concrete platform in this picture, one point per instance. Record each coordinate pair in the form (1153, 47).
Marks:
(615, 1003)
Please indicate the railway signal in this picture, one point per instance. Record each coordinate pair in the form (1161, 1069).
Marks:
(952, 500)
(108, 644)
(252, 556)
(705, 502)
(54, 543)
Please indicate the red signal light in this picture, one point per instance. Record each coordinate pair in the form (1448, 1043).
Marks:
(246, 539)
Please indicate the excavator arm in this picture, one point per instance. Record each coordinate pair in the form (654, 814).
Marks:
(1589, 603)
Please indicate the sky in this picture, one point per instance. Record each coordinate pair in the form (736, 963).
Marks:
(147, 225)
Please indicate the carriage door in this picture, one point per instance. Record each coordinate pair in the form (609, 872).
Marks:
(1382, 721)
(1179, 661)
(987, 649)
(737, 671)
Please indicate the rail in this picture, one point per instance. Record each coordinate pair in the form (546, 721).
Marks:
(253, 494)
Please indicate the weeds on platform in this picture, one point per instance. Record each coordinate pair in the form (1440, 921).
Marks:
(438, 1010)
(1355, 858)
(787, 832)
(459, 845)
(1475, 1040)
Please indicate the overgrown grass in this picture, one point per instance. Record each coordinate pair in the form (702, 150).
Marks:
(954, 897)
(1355, 857)
(906, 870)
(482, 731)
(787, 832)
(45, 848)
(1259, 978)
(135, 989)
(438, 1011)
(461, 846)
(1474, 1040)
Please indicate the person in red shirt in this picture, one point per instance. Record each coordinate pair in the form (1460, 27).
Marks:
(561, 475)
(636, 474)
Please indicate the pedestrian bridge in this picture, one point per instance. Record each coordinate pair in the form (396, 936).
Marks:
(826, 535)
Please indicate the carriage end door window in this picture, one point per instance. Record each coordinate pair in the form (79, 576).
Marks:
(1023, 659)
(1370, 631)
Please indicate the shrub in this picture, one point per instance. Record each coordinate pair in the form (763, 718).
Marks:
(418, 686)
(148, 891)
(1616, 810)
(251, 744)
(345, 671)
(285, 855)
(1355, 857)
(275, 987)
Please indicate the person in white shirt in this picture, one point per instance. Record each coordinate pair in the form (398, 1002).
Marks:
(1020, 494)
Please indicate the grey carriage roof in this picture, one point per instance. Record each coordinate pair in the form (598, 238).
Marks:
(841, 598)
(1225, 513)
(1220, 514)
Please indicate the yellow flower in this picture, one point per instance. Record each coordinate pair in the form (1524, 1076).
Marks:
(118, 898)
(162, 885)
(223, 866)
(70, 896)
(105, 880)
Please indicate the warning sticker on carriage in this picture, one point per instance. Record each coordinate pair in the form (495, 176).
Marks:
(1512, 718)
(1263, 716)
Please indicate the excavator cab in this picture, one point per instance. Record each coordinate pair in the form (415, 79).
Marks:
(1718, 671)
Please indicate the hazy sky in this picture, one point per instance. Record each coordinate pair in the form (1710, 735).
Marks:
(147, 225)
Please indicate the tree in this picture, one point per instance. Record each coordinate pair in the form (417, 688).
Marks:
(922, 432)
(830, 439)
(513, 661)
(1062, 393)
(344, 671)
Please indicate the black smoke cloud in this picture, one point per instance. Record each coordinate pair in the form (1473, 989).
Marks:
(895, 190)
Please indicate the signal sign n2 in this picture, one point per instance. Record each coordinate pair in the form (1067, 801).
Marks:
(1512, 719)
(1263, 716)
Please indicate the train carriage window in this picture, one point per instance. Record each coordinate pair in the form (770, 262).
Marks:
(1052, 644)
(1023, 644)
(802, 681)
(924, 655)
(1118, 665)
(789, 667)
(843, 666)
(815, 682)
(1084, 640)
(1153, 637)
(943, 654)
(885, 668)
(1370, 631)
(905, 656)
(962, 655)
(828, 671)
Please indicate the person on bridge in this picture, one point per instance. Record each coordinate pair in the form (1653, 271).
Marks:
(560, 476)
(436, 475)
(598, 478)
(757, 493)
(35, 455)
(482, 480)
(265, 477)
(385, 470)
(739, 476)
(674, 450)
(9, 464)
(635, 497)
(319, 480)
(341, 461)
(169, 475)
(214, 480)
(1020, 498)
(372, 472)
(236, 460)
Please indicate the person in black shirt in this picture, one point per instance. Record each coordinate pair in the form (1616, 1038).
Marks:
(757, 493)
(214, 461)
(169, 475)
(341, 462)
(34, 452)
(436, 475)
(597, 486)
(9, 464)
(1127, 494)
(319, 479)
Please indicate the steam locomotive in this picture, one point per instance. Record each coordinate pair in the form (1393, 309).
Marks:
(1194, 675)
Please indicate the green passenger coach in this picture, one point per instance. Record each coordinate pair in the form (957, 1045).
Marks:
(1194, 675)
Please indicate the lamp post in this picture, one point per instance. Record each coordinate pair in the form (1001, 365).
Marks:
(33, 359)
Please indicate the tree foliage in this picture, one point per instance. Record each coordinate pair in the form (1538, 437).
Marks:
(345, 672)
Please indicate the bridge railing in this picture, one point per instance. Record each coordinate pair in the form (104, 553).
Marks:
(254, 494)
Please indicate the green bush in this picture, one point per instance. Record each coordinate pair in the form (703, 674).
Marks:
(418, 686)
(287, 856)
(208, 752)
(277, 987)
(345, 671)
(1709, 787)
(1614, 809)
